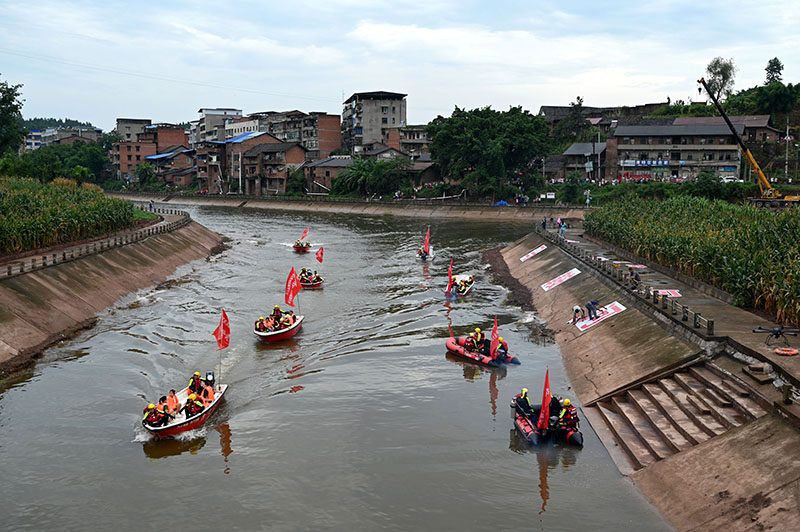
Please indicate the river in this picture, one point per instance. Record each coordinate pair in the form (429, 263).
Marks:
(360, 422)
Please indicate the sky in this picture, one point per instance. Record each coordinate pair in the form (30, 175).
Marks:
(96, 61)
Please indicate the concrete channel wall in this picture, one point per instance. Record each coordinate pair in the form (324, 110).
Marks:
(741, 476)
(45, 300)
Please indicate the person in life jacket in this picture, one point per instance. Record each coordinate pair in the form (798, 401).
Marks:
(471, 344)
(317, 277)
(555, 410)
(502, 349)
(479, 336)
(207, 395)
(192, 406)
(277, 313)
(260, 325)
(173, 404)
(196, 383)
(154, 417)
(523, 404)
(568, 418)
(422, 253)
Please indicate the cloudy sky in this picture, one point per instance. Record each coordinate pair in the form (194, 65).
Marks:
(164, 60)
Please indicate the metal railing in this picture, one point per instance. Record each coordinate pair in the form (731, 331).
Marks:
(661, 302)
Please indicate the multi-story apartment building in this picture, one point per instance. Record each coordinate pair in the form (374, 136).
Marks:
(125, 156)
(211, 125)
(128, 128)
(33, 140)
(757, 128)
(163, 136)
(367, 117)
(411, 139)
(319, 133)
(672, 152)
(57, 135)
(210, 162)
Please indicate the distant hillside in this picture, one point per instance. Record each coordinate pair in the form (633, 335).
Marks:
(44, 123)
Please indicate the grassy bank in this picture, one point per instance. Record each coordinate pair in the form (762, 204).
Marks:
(753, 254)
(35, 215)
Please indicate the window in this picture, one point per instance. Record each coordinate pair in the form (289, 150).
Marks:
(675, 156)
(327, 173)
(384, 120)
(137, 148)
(394, 109)
(129, 148)
(138, 157)
(129, 157)
(384, 109)
(393, 119)
(642, 156)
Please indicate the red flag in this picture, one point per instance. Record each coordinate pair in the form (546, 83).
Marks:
(544, 413)
(223, 332)
(427, 239)
(449, 278)
(292, 287)
(319, 254)
(495, 340)
(305, 234)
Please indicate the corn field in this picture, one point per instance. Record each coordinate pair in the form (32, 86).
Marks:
(753, 254)
(35, 215)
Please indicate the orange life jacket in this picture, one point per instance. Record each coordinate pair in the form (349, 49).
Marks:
(173, 403)
(208, 395)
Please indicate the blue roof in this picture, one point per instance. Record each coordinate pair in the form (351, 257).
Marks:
(163, 155)
(244, 136)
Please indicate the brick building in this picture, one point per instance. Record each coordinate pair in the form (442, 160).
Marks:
(125, 156)
(320, 174)
(163, 136)
(411, 139)
(367, 117)
(266, 167)
(319, 133)
(210, 162)
(172, 159)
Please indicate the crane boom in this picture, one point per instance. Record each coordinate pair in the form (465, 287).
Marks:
(767, 190)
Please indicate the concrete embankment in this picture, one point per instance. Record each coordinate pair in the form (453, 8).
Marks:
(374, 208)
(709, 451)
(42, 306)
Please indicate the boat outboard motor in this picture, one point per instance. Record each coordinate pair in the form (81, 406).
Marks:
(210, 378)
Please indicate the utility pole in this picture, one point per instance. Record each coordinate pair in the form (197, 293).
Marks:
(786, 160)
(598, 156)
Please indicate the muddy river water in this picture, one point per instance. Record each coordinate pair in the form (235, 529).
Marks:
(358, 423)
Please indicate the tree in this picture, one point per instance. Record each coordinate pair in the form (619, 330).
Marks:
(574, 126)
(296, 184)
(720, 74)
(486, 148)
(774, 70)
(145, 173)
(12, 133)
(365, 177)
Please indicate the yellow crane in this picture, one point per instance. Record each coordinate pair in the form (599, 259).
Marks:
(770, 196)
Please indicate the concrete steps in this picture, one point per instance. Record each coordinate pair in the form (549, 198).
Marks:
(673, 413)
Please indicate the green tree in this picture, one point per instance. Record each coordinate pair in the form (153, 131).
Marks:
(720, 74)
(11, 132)
(774, 70)
(486, 148)
(367, 177)
(296, 184)
(43, 123)
(775, 98)
(146, 174)
(708, 185)
(573, 127)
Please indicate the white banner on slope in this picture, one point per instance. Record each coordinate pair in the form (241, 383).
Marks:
(560, 279)
(602, 313)
(532, 253)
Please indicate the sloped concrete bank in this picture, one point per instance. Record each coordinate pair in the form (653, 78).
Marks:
(376, 208)
(41, 307)
(747, 478)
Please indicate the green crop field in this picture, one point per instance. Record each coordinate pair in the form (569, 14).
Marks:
(753, 254)
(35, 215)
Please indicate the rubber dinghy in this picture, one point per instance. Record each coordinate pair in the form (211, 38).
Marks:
(470, 283)
(281, 334)
(181, 423)
(527, 428)
(426, 257)
(456, 347)
(312, 284)
(302, 248)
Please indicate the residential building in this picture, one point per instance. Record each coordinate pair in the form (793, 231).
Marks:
(553, 114)
(320, 174)
(128, 128)
(125, 156)
(33, 140)
(411, 139)
(588, 158)
(757, 128)
(163, 136)
(319, 133)
(383, 153)
(367, 117)
(266, 167)
(170, 161)
(211, 125)
(672, 152)
(210, 162)
(54, 135)
(73, 139)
